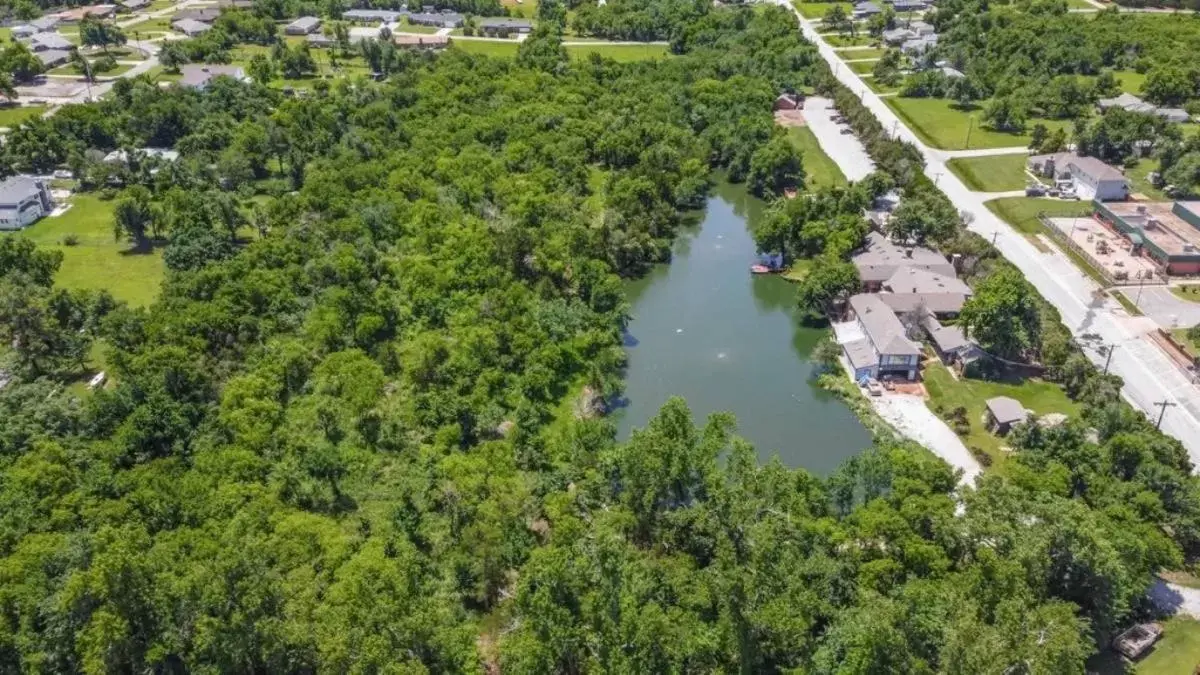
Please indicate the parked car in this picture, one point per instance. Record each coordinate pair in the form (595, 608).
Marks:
(846, 132)
(874, 388)
(1035, 191)
(63, 174)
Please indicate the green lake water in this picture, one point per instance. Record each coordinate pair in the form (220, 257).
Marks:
(705, 329)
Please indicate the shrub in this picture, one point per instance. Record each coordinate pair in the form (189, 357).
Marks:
(984, 459)
(70, 240)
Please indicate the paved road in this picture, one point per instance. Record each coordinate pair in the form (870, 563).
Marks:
(844, 149)
(1168, 311)
(987, 152)
(1149, 375)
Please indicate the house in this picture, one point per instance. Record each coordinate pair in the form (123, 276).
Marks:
(42, 41)
(880, 258)
(23, 200)
(44, 24)
(371, 16)
(951, 73)
(950, 343)
(919, 45)
(897, 36)
(1134, 104)
(1003, 412)
(1167, 233)
(235, 4)
(866, 10)
(410, 41)
(198, 76)
(94, 11)
(884, 348)
(23, 31)
(1089, 177)
(908, 5)
(203, 15)
(305, 25)
(913, 289)
(443, 19)
(52, 58)
(788, 101)
(191, 27)
(122, 156)
(133, 5)
(499, 26)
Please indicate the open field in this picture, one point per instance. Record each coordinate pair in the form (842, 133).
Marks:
(862, 39)
(1130, 80)
(615, 52)
(943, 126)
(862, 67)
(817, 10)
(97, 261)
(69, 69)
(948, 393)
(820, 171)
(869, 53)
(991, 174)
(406, 27)
(14, 115)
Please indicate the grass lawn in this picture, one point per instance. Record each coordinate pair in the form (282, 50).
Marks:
(406, 27)
(505, 50)
(525, 8)
(860, 40)
(1181, 335)
(798, 270)
(1130, 80)
(161, 24)
(97, 261)
(991, 174)
(945, 127)
(623, 53)
(881, 88)
(862, 67)
(13, 115)
(820, 170)
(817, 10)
(1036, 395)
(69, 69)
(5, 34)
(1123, 298)
(1177, 652)
(1190, 292)
(1140, 184)
(1022, 213)
(855, 54)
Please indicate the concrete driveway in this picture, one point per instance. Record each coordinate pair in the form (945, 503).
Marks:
(1168, 311)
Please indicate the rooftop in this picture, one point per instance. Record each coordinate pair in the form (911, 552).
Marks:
(51, 57)
(880, 258)
(883, 329)
(17, 189)
(1006, 410)
(1167, 225)
(190, 26)
(1088, 165)
(51, 41)
(408, 40)
(946, 338)
(305, 22)
(196, 75)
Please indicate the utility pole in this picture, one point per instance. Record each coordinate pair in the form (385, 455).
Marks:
(1164, 405)
(936, 177)
(994, 235)
(1108, 361)
(894, 123)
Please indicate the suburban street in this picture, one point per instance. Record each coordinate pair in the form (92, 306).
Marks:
(1095, 319)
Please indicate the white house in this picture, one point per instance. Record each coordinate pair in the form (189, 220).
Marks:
(1089, 177)
(198, 76)
(23, 200)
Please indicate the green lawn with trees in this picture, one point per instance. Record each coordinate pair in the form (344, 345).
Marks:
(817, 10)
(92, 257)
(819, 169)
(1178, 651)
(999, 173)
(942, 125)
(11, 116)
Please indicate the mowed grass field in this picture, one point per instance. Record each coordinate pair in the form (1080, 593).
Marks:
(943, 126)
(991, 174)
(97, 260)
(820, 171)
(817, 10)
(11, 116)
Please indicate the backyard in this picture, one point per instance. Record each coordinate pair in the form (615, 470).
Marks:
(948, 393)
(937, 122)
(96, 260)
(999, 173)
(820, 171)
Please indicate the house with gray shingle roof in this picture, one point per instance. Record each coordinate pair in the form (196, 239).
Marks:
(910, 289)
(40, 41)
(884, 348)
(23, 200)
(305, 25)
(1003, 412)
(191, 27)
(880, 258)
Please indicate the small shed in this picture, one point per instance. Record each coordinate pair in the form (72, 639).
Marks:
(789, 101)
(1003, 412)
(1134, 642)
(305, 25)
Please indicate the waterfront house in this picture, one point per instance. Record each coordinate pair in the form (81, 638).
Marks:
(950, 343)
(23, 200)
(1089, 177)
(884, 350)
(880, 258)
(914, 289)
(1003, 412)
(305, 25)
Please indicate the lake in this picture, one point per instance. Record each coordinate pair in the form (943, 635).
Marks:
(706, 329)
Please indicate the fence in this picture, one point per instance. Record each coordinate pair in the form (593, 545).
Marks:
(1097, 268)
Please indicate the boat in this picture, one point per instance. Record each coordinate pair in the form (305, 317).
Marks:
(760, 269)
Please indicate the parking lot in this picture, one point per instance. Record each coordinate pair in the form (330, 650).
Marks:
(1105, 248)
